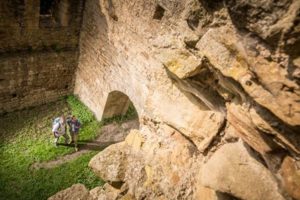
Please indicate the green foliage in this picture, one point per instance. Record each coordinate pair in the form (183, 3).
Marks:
(130, 114)
(80, 110)
(26, 138)
(90, 130)
(40, 184)
(90, 126)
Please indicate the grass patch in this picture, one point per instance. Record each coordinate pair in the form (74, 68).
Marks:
(41, 184)
(86, 117)
(25, 138)
(80, 110)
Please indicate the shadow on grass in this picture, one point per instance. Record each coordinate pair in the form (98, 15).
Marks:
(91, 145)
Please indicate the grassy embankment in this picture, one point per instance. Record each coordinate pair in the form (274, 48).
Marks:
(26, 138)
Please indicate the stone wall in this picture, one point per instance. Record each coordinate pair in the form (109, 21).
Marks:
(21, 26)
(38, 53)
(216, 87)
(35, 78)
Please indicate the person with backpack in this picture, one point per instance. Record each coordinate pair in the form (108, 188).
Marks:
(74, 126)
(59, 128)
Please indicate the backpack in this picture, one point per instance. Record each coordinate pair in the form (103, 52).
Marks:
(55, 121)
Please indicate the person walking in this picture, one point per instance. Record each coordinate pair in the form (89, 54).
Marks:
(74, 126)
(59, 129)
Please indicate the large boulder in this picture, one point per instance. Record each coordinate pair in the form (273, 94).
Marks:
(107, 192)
(290, 170)
(234, 169)
(77, 191)
(109, 164)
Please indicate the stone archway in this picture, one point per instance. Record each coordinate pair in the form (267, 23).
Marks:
(117, 104)
(118, 108)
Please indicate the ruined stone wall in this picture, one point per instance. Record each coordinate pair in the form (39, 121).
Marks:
(22, 28)
(35, 78)
(216, 87)
(38, 54)
(108, 63)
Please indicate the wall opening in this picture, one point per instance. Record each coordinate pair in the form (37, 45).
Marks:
(54, 13)
(46, 6)
(159, 12)
(118, 105)
(120, 116)
(14, 95)
(46, 13)
(193, 23)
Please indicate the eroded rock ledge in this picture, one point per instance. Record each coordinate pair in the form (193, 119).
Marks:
(216, 87)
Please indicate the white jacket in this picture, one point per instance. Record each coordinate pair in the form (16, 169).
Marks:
(58, 128)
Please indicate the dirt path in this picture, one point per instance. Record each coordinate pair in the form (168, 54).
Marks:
(110, 134)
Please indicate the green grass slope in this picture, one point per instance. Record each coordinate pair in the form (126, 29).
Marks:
(26, 138)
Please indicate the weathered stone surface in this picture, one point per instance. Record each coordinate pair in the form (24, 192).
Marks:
(37, 78)
(239, 118)
(110, 164)
(231, 57)
(232, 169)
(135, 140)
(209, 194)
(37, 63)
(183, 64)
(22, 27)
(156, 177)
(291, 176)
(201, 75)
(154, 94)
(107, 192)
(77, 191)
(268, 19)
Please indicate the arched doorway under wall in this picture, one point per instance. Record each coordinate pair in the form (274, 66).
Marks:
(119, 117)
(118, 104)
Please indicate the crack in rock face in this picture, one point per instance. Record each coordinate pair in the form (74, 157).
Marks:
(215, 84)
